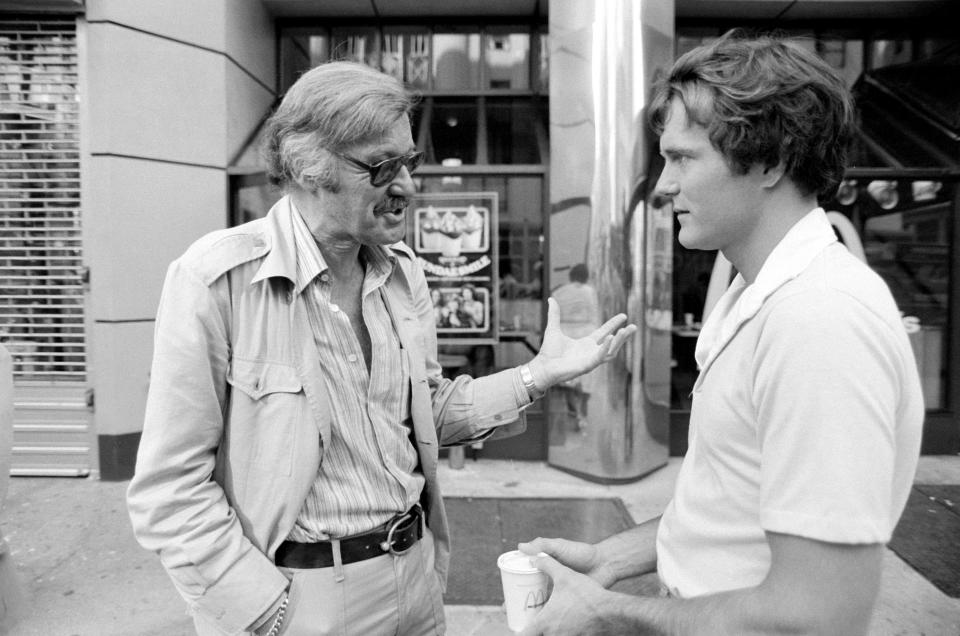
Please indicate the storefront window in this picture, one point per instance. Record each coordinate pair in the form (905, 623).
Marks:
(906, 241)
(300, 51)
(453, 132)
(513, 127)
(405, 54)
(433, 60)
(507, 60)
(520, 245)
(456, 61)
(890, 52)
(361, 46)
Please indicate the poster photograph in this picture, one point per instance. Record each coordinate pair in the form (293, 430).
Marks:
(454, 237)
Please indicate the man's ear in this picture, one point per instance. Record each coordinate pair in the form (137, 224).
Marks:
(770, 175)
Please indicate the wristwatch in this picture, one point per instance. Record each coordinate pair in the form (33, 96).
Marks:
(526, 376)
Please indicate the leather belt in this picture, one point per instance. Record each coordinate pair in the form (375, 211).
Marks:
(395, 537)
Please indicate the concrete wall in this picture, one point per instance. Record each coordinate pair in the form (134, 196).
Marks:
(171, 90)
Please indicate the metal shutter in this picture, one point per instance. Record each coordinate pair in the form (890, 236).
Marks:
(41, 256)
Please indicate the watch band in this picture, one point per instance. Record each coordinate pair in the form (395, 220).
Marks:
(526, 376)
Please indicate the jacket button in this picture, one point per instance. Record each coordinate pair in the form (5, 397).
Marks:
(498, 417)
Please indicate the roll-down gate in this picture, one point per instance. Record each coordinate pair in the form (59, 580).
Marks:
(41, 256)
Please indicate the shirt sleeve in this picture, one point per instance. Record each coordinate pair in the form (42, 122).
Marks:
(826, 388)
(465, 409)
(176, 507)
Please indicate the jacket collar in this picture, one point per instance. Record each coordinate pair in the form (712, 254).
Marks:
(741, 302)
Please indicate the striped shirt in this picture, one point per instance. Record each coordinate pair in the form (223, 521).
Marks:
(369, 471)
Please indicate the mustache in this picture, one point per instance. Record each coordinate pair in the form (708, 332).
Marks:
(392, 204)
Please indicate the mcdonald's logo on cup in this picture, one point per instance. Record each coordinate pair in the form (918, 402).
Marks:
(525, 588)
(535, 599)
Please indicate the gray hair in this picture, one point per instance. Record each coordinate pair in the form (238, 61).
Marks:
(330, 108)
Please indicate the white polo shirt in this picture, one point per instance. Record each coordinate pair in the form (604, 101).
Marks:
(806, 418)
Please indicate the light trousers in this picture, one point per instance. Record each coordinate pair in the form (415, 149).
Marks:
(384, 596)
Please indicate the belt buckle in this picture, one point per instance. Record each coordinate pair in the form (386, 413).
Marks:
(387, 546)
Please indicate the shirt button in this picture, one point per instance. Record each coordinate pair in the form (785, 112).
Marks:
(352, 358)
(324, 277)
(498, 417)
(334, 308)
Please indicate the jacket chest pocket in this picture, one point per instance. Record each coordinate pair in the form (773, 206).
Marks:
(266, 404)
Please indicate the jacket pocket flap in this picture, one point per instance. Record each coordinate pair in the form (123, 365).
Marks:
(257, 378)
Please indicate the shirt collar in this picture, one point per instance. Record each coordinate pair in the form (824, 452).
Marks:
(794, 253)
(380, 260)
(791, 256)
(281, 260)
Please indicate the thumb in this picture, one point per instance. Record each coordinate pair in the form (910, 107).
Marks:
(553, 314)
(549, 566)
(540, 544)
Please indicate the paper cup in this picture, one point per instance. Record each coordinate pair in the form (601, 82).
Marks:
(525, 588)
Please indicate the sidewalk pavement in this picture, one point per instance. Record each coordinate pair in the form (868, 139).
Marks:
(87, 576)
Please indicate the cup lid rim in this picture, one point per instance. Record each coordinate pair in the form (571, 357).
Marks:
(502, 563)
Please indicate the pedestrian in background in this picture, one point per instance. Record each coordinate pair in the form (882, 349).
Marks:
(287, 470)
(807, 413)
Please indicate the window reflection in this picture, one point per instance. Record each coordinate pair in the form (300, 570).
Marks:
(356, 46)
(543, 64)
(507, 58)
(890, 52)
(456, 61)
(453, 131)
(909, 249)
(405, 54)
(904, 225)
(520, 246)
(512, 131)
(418, 60)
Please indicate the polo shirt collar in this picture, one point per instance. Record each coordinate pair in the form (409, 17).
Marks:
(741, 302)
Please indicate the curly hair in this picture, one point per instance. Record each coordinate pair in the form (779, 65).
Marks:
(764, 100)
(330, 108)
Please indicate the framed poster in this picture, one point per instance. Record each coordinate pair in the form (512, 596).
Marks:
(455, 238)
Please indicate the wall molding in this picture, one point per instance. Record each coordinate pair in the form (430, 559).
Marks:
(193, 45)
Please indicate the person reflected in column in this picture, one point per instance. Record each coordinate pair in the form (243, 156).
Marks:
(579, 315)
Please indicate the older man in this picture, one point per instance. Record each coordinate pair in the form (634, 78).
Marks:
(287, 469)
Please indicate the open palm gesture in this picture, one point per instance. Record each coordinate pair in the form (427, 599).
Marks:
(564, 358)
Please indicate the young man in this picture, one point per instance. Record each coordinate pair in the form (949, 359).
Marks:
(807, 414)
(287, 471)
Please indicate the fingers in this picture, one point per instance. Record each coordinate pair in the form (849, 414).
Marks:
(532, 547)
(608, 327)
(621, 337)
(611, 344)
(538, 545)
(549, 565)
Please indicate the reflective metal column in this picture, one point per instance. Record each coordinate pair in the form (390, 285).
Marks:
(610, 243)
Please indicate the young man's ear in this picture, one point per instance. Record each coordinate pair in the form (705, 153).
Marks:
(770, 175)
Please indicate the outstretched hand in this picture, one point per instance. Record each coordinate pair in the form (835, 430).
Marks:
(564, 358)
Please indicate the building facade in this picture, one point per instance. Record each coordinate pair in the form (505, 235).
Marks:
(130, 128)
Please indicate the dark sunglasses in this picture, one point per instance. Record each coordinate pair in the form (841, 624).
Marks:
(383, 172)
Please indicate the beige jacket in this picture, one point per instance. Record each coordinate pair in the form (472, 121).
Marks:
(237, 413)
